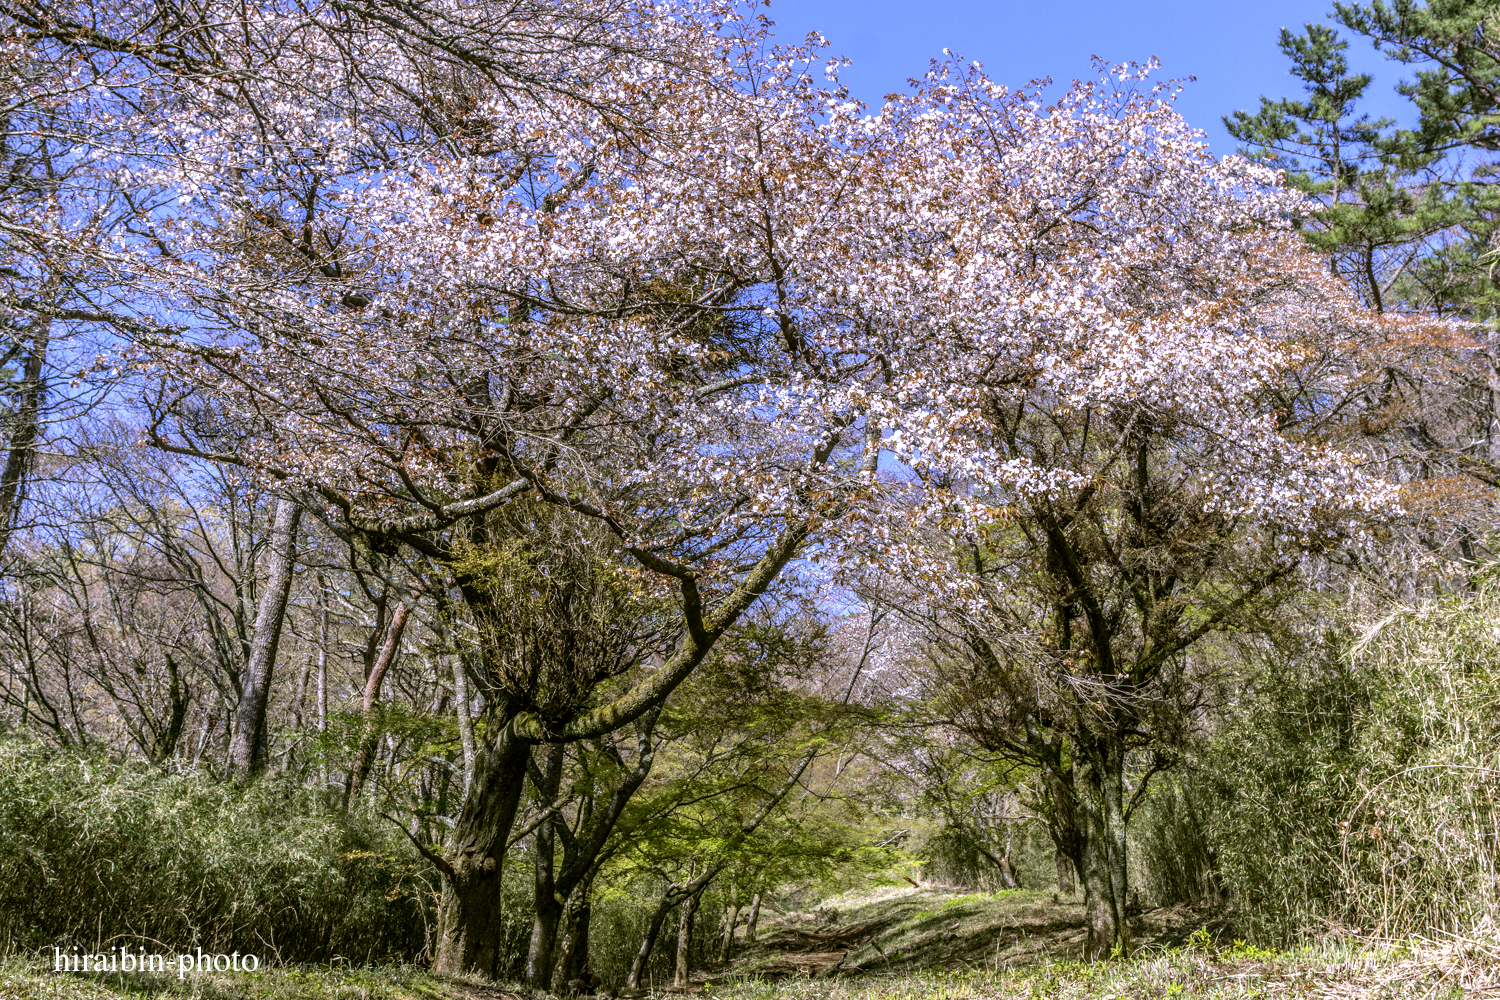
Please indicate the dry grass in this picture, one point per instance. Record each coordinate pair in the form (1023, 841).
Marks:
(1429, 972)
(942, 945)
(1419, 970)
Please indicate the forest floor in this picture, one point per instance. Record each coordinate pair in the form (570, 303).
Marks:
(901, 930)
(908, 944)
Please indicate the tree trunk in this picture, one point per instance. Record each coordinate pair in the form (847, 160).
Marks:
(247, 750)
(179, 697)
(323, 680)
(583, 849)
(544, 923)
(547, 911)
(1011, 875)
(465, 719)
(753, 919)
(299, 705)
(1065, 884)
(1063, 822)
(468, 934)
(1105, 882)
(26, 420)
(731, 918)
(573, 951)
(378, 670)
(648, 942)
(685, 938)
(579, 941)
(1492, 425)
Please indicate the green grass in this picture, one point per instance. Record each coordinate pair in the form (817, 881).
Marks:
(36, 981)
(1235, 973)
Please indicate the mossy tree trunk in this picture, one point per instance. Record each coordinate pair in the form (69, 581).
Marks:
(1105, 869)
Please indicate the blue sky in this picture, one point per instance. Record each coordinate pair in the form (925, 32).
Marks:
(1230, 46)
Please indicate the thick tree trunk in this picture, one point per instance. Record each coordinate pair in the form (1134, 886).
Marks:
(685, 939)
(468, 934)
(1101, 800)
(648, 941)
(547, 910)
(247, 749)
(752, 919)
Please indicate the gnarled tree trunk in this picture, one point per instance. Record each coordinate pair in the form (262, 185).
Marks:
(468, 935)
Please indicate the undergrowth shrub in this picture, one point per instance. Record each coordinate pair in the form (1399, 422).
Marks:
(620, 917)
(1170, 843)
(949, 856)
(96, 854)
(1359, 786)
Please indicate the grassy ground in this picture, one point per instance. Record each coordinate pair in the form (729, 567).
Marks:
(903, 930)
(905, 945)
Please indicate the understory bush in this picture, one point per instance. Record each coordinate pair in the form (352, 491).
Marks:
(97, 854)
(1169, 843)
(1358, 787)
(949, 856)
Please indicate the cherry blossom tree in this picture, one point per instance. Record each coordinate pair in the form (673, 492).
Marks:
(1159, 470)
(423, 260)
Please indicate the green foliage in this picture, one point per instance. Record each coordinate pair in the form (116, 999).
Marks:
(1456, 46)
(1361, 785)
(1321, 140)
(950, 856)
(556, 611)
(98, 853)
(1408, 212)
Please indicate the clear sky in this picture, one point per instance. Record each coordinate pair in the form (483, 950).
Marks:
(1230, 47)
